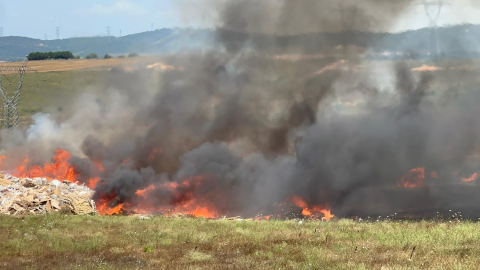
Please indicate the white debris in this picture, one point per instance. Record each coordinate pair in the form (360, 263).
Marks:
(40, 196)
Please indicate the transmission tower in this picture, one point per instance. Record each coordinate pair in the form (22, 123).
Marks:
(108, 31)
(10, 103)
(433, 18)
(57, 30)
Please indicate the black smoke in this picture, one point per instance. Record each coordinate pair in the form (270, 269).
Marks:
(258, 130)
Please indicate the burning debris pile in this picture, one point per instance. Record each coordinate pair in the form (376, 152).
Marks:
(239, 132)
(20, 196)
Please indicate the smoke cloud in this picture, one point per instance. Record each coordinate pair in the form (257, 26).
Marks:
(241, 129)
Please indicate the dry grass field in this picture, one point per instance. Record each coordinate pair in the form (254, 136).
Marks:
(120, 242)
(79, 64)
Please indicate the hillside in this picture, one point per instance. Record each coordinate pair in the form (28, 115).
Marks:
(455, 41)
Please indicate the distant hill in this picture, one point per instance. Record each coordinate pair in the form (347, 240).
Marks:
(455, 41)
(165, 40)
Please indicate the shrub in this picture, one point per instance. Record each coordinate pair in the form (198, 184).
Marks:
(121, 56)
(107, 56)
(133, 55)
(92, 56)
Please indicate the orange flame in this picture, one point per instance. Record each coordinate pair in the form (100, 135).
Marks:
(99, 165)
(154, 153)
(434, 174)
(141, 192)
(104, 209)
(300, 202)
(92, 183)
(414, 178)
(1, 161)
(471, 178)
(59, 169)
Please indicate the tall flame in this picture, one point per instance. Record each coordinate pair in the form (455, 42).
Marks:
(60, 168)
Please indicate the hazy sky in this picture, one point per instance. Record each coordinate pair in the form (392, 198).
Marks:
(34, 18)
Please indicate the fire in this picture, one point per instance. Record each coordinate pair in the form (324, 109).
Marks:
(203, 212)
(99, 165)
(154, 153)
(104, 209)
(183, 200)
(300, 202)
(262, 217)
(434, 174)
(181, 196)
(92, 183)
(141, 192)
(1, 160)
(60, 168)
(471, 178)
(414, 178)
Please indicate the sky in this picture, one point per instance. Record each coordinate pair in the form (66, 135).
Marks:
(79, 18)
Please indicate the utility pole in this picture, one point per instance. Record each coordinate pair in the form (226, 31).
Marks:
(58, 32)
(108, 31)
(120, 32)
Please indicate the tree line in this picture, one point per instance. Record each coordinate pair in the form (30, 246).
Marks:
(68, 55)
(50, 55)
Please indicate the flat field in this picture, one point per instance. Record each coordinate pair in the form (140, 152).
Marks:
(119, 242)
(77, 64)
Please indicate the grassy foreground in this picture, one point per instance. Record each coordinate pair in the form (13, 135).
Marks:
(96, 242)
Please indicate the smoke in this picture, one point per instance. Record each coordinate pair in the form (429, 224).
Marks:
(240, 130)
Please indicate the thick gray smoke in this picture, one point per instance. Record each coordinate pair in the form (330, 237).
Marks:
(249, 129)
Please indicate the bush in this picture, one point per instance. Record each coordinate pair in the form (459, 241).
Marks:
(92, 56)
(50, 55)
(107, 56)
(133, 55)
(121, 56)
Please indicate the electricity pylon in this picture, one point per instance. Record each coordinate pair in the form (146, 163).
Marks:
(10, 103)
(433, 18)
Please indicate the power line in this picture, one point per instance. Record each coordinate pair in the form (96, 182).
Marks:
(58, 32)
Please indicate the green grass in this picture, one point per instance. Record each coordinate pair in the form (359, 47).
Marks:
(96, 242)
(50, 91)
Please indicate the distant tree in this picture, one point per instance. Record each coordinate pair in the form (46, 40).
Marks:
(50, 55)
(77, 57)
(107, 56)
(121, 56)
(92, 56)
(133, 55)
